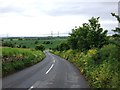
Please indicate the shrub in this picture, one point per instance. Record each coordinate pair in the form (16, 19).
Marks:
(47, 42)
(40, 47)
(7, 44)
(36, 42)
(100, 66)
(62, 47)
(24, 46)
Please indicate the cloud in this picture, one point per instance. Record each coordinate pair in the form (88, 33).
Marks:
(88, 9)
(36, 17)
(9, 9)
(59, 7)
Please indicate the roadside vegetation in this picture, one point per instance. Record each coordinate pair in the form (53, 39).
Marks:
(21, 52)
(15, 59)
(95, 54)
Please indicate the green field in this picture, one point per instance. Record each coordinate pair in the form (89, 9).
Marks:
(32, 42)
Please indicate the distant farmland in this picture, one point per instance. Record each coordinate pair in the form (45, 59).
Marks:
(31, 42)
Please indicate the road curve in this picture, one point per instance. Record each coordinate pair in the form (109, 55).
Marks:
(52, 72)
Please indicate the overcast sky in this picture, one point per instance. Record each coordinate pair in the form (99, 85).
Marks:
(41, 17)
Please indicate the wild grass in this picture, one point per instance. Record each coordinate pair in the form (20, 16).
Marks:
(14, 59)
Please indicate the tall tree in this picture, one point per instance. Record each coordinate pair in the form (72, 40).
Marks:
(117, 37)
(117, 31)
(89, 35)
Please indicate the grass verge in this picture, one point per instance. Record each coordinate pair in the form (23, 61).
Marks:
(15, 59)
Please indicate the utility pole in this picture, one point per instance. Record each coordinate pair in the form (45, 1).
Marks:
(7, 35)
(58, 33)
(51, 33)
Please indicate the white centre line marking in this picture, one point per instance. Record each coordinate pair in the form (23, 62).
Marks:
(35, 85)
(54, 61)
(30, 88)
(49, 69)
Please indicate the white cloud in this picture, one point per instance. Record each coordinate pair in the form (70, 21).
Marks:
(33, 17)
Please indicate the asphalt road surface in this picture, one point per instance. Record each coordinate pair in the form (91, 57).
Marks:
(52, 72)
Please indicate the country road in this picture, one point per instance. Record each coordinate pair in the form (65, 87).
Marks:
(52, 72)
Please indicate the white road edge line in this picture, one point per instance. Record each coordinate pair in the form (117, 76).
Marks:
(49, 69)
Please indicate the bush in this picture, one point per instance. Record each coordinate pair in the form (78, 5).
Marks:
(47, 42)
(20, 39)
(62, 47)
(24, 46)
(100, 66)
(7, 44)
(40, 47)
(36, 42)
